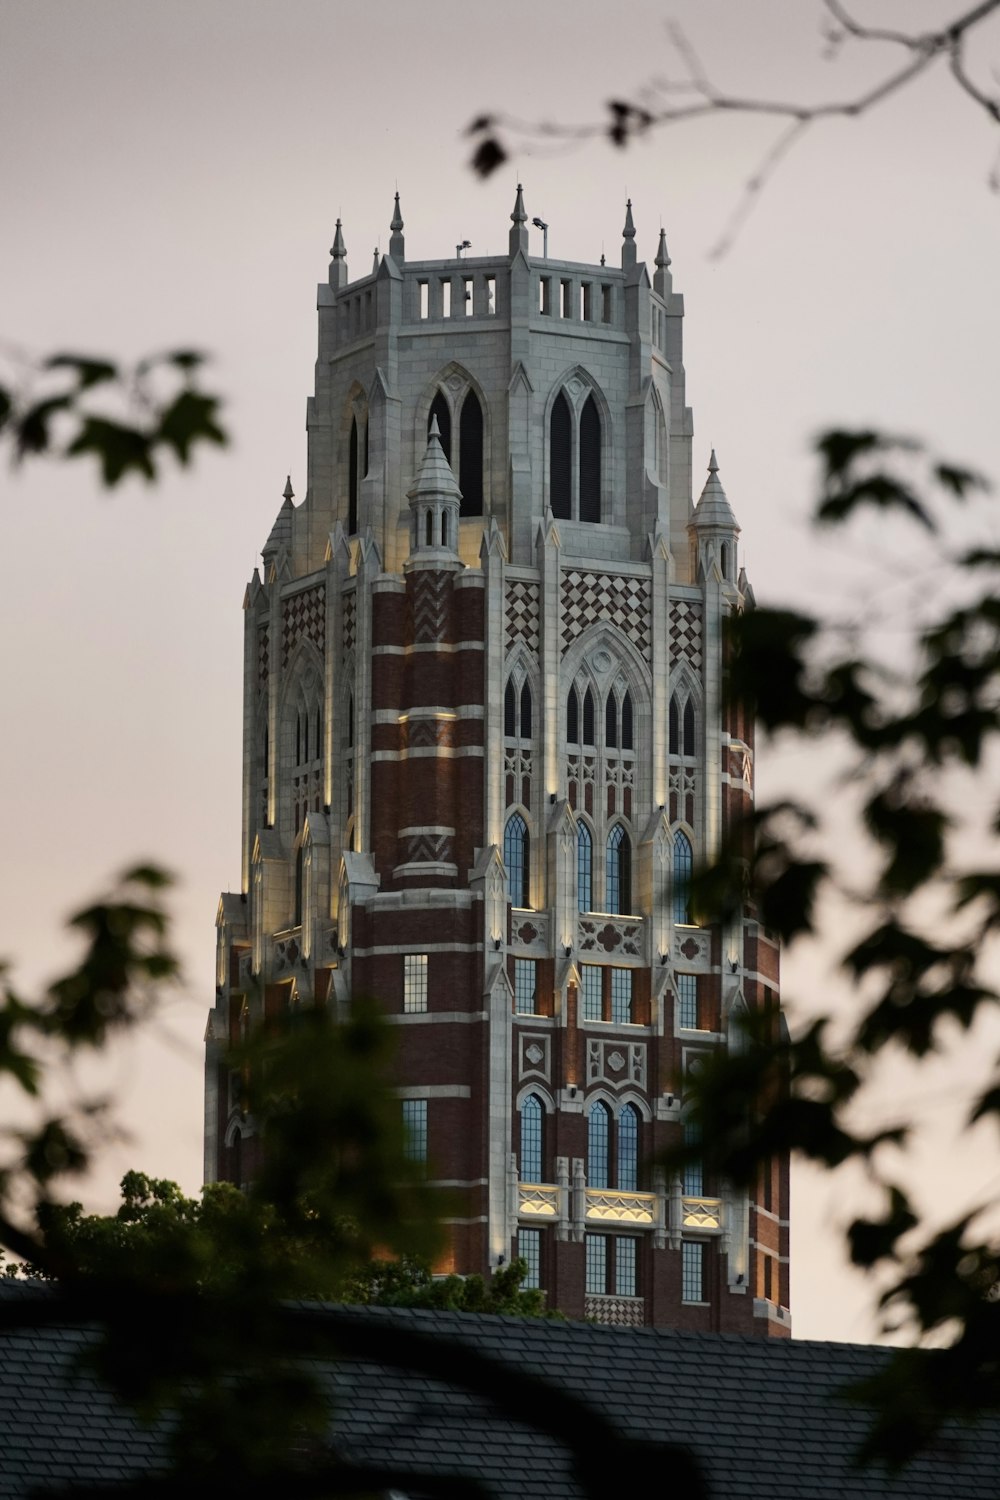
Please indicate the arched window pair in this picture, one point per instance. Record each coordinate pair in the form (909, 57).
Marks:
(619, 732)
(357, 468)
(575, 460)
(517, 711)
(532, 1139)
(612, 1147)
(469, 471)
(682, 728)
(617, 870)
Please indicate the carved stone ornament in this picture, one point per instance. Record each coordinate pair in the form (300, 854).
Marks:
(615, 1062)
(534, 1053)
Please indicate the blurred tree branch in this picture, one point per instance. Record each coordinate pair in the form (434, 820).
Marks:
(668, 101)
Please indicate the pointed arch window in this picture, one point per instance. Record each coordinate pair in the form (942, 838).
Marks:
(688, 741)
(532, 1126)
(572, 717)
(628, 1149)
(561, 459)
(353, 480)
(584, 868)
(588, 717)
(590, 462)
(674, 736)
(517, 710)
(516, 856)
(598, 1137)
(470, 455)
(611, 721)
(510, 710)
(618, 872)
(683, 862)
(627, 732)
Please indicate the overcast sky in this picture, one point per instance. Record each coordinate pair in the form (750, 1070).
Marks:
(171, 174)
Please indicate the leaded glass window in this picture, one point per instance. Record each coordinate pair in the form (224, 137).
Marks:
(618, 872)
(516, 855)
(598, 1132)
(591, 976)
(597, 1264)
(584, 868)
(692, 1271)
(625, 1282)
(683, 861)
(525, 984)
(415, 1129)
(621, 996)
(628, 1150)
(532, 1114)
(687, 1001)
(529, 1248)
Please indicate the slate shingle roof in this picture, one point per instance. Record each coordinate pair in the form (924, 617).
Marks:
(763, 1416)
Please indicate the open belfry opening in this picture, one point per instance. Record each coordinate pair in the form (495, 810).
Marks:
(485, 744)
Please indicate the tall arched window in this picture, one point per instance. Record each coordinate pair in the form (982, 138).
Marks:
(441, 410)
(628, 1149)
(510, 710)
(674, 736)
(572, 718)
(584, 868)
(516, 856)
(561, 459)
(590, 462)
(470, 455)
(688, 740)
(627, 734)
(299, 856)
(598, 1135)
(588, 718)
(353, 480)
(683, 861)
(618, 872)
(532, 1118)
(525, 711)
(517, 711)
(611, 721)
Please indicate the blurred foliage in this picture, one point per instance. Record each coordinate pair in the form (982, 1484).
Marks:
(208, 1308)
(914, 735)
(128, 419)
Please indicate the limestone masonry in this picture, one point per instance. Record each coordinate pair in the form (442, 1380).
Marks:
(484, 741)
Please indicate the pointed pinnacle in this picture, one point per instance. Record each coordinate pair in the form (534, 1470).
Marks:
(662, 254)
(288, 492)
(396, 222)
(434, 431)
(375, 263)
(628, 233)
(519, 216)
(338, 249)
(713, 466)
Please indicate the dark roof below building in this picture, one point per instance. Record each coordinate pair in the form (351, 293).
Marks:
(764, 1418)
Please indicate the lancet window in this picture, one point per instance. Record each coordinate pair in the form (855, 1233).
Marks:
(575, 456)
(518, 723)
(683, 750)
(466, 454)
(601, 788)
(532, 1139)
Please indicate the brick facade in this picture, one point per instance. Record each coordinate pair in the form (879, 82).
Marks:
(484, 735)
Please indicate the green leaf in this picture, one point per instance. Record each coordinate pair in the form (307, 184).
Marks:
(190, 419)
(872, 1240)
(33, 428)
(120, 450)
(89, 371)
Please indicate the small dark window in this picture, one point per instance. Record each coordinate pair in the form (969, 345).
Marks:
(689, 728)
(561, 459)
(675, 734)
(319, 734)
(298, 887)
(572, 718)
(440, 409)
(510, 710)
(588, 718)
(352, 479)
(611, 721)
(590, 462)
(618, 881)
(525, 712)
(627, 722)
(470, 456)
(350, 719)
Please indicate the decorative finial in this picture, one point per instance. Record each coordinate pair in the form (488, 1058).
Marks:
(519, 216)
(662, 254)
(288, 492)
(375, 261)
(628, 232)
(338, 249)
(396, 222)
(397, 245)
(713, 467)
(434, 430)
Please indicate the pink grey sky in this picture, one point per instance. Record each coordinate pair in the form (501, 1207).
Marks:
(171, 176)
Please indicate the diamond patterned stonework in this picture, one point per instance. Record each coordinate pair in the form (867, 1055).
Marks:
(303, 614)
(263, 649)
(619, 601)
(522, 614)
(348, 623)
(685, 632)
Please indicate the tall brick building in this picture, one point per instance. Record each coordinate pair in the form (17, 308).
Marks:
(484, 741)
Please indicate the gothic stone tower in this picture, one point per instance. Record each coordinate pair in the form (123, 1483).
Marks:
(484, 739)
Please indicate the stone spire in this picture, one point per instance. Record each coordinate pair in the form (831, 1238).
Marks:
(519, 225)
(628, 239)
(397, 245)
(435, 502)
(375, 261)
(338, 263)
(713, 527)
(662, 279)
(288, 492)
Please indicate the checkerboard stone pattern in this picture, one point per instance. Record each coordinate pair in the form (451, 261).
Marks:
(303, 614)
(685, 632)
(620, 601)
(522, 614)
(348, 623)
(263, 653)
